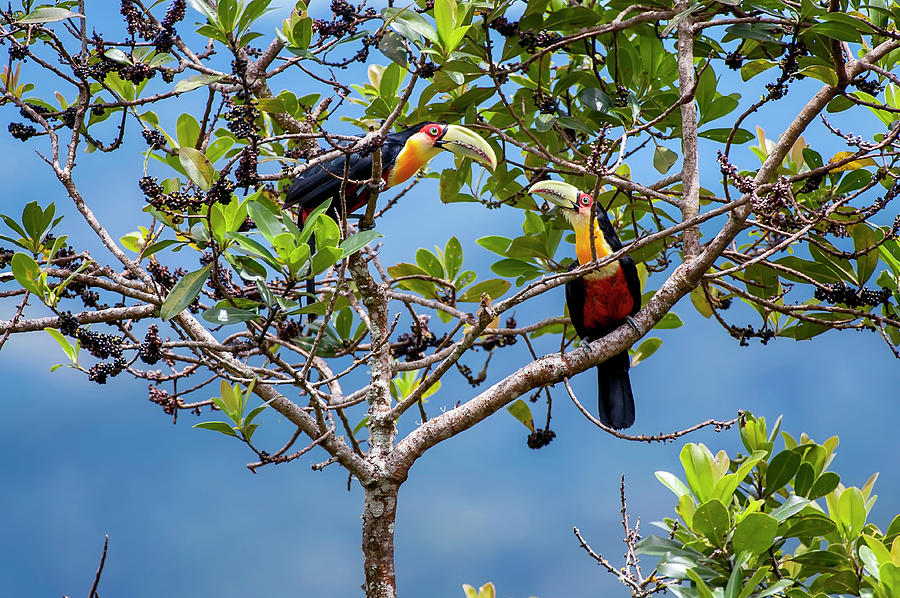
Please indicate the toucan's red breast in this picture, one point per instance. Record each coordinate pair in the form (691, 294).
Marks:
(607, 301)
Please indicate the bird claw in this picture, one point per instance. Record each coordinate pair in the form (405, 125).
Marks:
(630, 321)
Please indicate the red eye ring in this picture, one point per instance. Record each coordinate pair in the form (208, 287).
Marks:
(434, 131)
(585, 199)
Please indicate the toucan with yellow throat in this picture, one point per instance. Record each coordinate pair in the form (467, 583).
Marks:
(403, 154)
(602, 300)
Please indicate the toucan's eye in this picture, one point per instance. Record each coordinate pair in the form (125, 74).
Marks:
(433, 131)
(585, 200)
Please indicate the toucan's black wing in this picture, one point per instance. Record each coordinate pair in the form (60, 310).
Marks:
(321, 183)
(634, 283)
(627, 263)
(575, 301)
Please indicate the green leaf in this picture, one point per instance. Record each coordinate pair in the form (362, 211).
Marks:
(356, 242)
(755, 533)
(409, 24)
(645, 350)
(494, 288)
(48, 14)
(711, 520)
(187, 130)
(430, 263)
(810, 526)
(195, 82)
(698, 298)
(70, 350)
(698, 467)
(221, 427)
(519, 409)
(793, 505)
(669, 321)
(197, 167)
(325, 258)
(593, 98)
(184, 292)
(512, 268)
(824, 484)
(228, 315)
(864, 237)
(672, 482)
(781, 470)
(28, 273)
(201, 7)
(267, 223)
(496, 244)
(453, 257)
(852, 512)
(821, 559)
(703, 590)
(664, 159)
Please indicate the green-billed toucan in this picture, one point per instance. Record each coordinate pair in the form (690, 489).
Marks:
(602, 300)
(403, 154)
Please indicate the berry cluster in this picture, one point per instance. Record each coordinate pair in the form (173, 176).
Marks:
(540, 438)
(135, 23)
(769, 207)
(531, 41)
(241, 120)
(811, 184)
(5, 256)
(137, 72)
(97, 66)
(620, 99)
(428, 70)
(745, 333)
(67, 324)
(150, 350)
(99, 372)
(165, 39)
(500, 340)
(790, 67)
(154, 139)
(345, 22)
(843, 293)
(164, 400)
(545, 104)
(100, 344)
(245, 174)
(505, 27)
(734, 60)
(869, 86)
(161, 275)
(413, 346)
(17, 51)
(220, 191)
(288, 329)
(41, 110)
(730, 171)
(21, 131)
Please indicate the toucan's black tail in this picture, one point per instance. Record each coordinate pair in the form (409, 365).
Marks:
(614, 392)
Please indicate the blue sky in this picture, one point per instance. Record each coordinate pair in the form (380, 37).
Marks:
(186, 518)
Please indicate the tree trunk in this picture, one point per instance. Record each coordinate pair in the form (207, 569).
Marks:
(379, 512)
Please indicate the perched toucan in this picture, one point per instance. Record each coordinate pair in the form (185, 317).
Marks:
(403, 154)
(602, 300)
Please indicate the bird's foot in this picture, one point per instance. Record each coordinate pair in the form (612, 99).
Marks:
(630, 321)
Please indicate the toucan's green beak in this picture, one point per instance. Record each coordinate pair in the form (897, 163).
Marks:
(463, 142)
(557, 192)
